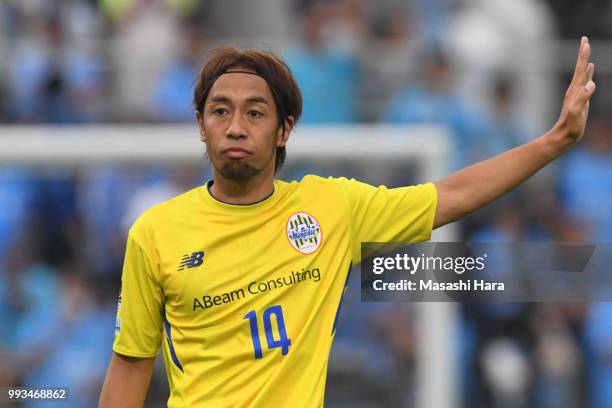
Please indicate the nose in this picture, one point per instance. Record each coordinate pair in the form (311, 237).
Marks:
(236, 128)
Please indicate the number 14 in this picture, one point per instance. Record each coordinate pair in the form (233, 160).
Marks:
(283, 342)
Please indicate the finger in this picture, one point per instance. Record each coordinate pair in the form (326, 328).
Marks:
(584, 66)
(582, 40)
(584, 54)
(590, 71)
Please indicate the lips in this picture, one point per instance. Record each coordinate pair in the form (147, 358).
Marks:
(236, 152)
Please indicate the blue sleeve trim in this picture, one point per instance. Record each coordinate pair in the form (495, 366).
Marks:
(348, 273)
(173, 355)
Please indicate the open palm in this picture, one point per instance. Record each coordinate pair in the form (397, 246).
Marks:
(575, 108)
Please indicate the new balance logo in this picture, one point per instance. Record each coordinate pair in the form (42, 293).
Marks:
(191, 261)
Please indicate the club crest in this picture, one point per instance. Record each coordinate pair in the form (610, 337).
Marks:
(304, 233)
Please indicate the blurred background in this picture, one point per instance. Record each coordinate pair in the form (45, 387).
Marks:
(491, 72)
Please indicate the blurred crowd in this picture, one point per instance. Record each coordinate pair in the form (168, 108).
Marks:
(484, 69)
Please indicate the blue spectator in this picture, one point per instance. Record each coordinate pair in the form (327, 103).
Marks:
(585, 181)
(104, 195)
(173, 91)
(506, 129)
(27, 289)
(17, 198)
(85, 76)
(435, 102)
(68, 345)
(598, 336)
(328, 78)
(27, 70)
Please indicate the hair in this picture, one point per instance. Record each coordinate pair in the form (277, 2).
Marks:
(268, 66)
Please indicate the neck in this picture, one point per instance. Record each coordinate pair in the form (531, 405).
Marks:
(250, 191)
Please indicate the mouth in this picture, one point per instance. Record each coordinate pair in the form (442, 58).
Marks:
(236, 152)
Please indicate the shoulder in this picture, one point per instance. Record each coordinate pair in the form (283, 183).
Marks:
(334, 189)
(167, 211)
(318, 184)
(314, 180)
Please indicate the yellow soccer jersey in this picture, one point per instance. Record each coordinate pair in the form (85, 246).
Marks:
(244, 298)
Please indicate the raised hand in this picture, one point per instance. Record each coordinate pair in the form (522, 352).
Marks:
(575, 108)
(469, 189)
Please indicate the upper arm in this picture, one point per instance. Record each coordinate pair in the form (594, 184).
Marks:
(449, 207)
(126, 382)
(380, 214)
(442, 216)
(140, 313)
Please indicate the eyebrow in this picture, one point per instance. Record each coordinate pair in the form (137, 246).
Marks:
(251, 99)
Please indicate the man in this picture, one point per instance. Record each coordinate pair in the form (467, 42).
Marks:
(240, 280)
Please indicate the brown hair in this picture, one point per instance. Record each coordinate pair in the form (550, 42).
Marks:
(267, 65)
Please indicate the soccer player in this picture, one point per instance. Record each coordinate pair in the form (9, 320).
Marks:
(240, 280)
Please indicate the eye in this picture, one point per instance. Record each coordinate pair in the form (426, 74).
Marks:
(255, 114)
(219, 111)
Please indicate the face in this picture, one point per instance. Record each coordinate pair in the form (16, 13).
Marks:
(240, 126)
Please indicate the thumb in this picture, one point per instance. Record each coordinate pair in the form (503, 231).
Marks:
(590, 87)
(586, 92)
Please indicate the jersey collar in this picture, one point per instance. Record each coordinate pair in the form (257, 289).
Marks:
(263, 203)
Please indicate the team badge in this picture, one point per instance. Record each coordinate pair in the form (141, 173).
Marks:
(304, 233)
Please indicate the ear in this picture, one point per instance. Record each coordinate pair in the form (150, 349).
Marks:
(285, 131)
(200, 122)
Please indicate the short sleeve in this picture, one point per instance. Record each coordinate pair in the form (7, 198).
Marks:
(138, 329)
(381, 214)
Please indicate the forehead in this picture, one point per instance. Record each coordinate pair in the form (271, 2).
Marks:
(239, 86)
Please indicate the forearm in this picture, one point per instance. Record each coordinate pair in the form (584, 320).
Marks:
(471, 188)
(126, 382)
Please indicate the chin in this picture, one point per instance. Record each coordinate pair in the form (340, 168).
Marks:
(237, 171)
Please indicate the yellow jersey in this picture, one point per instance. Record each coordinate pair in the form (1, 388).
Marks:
(244, 299)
